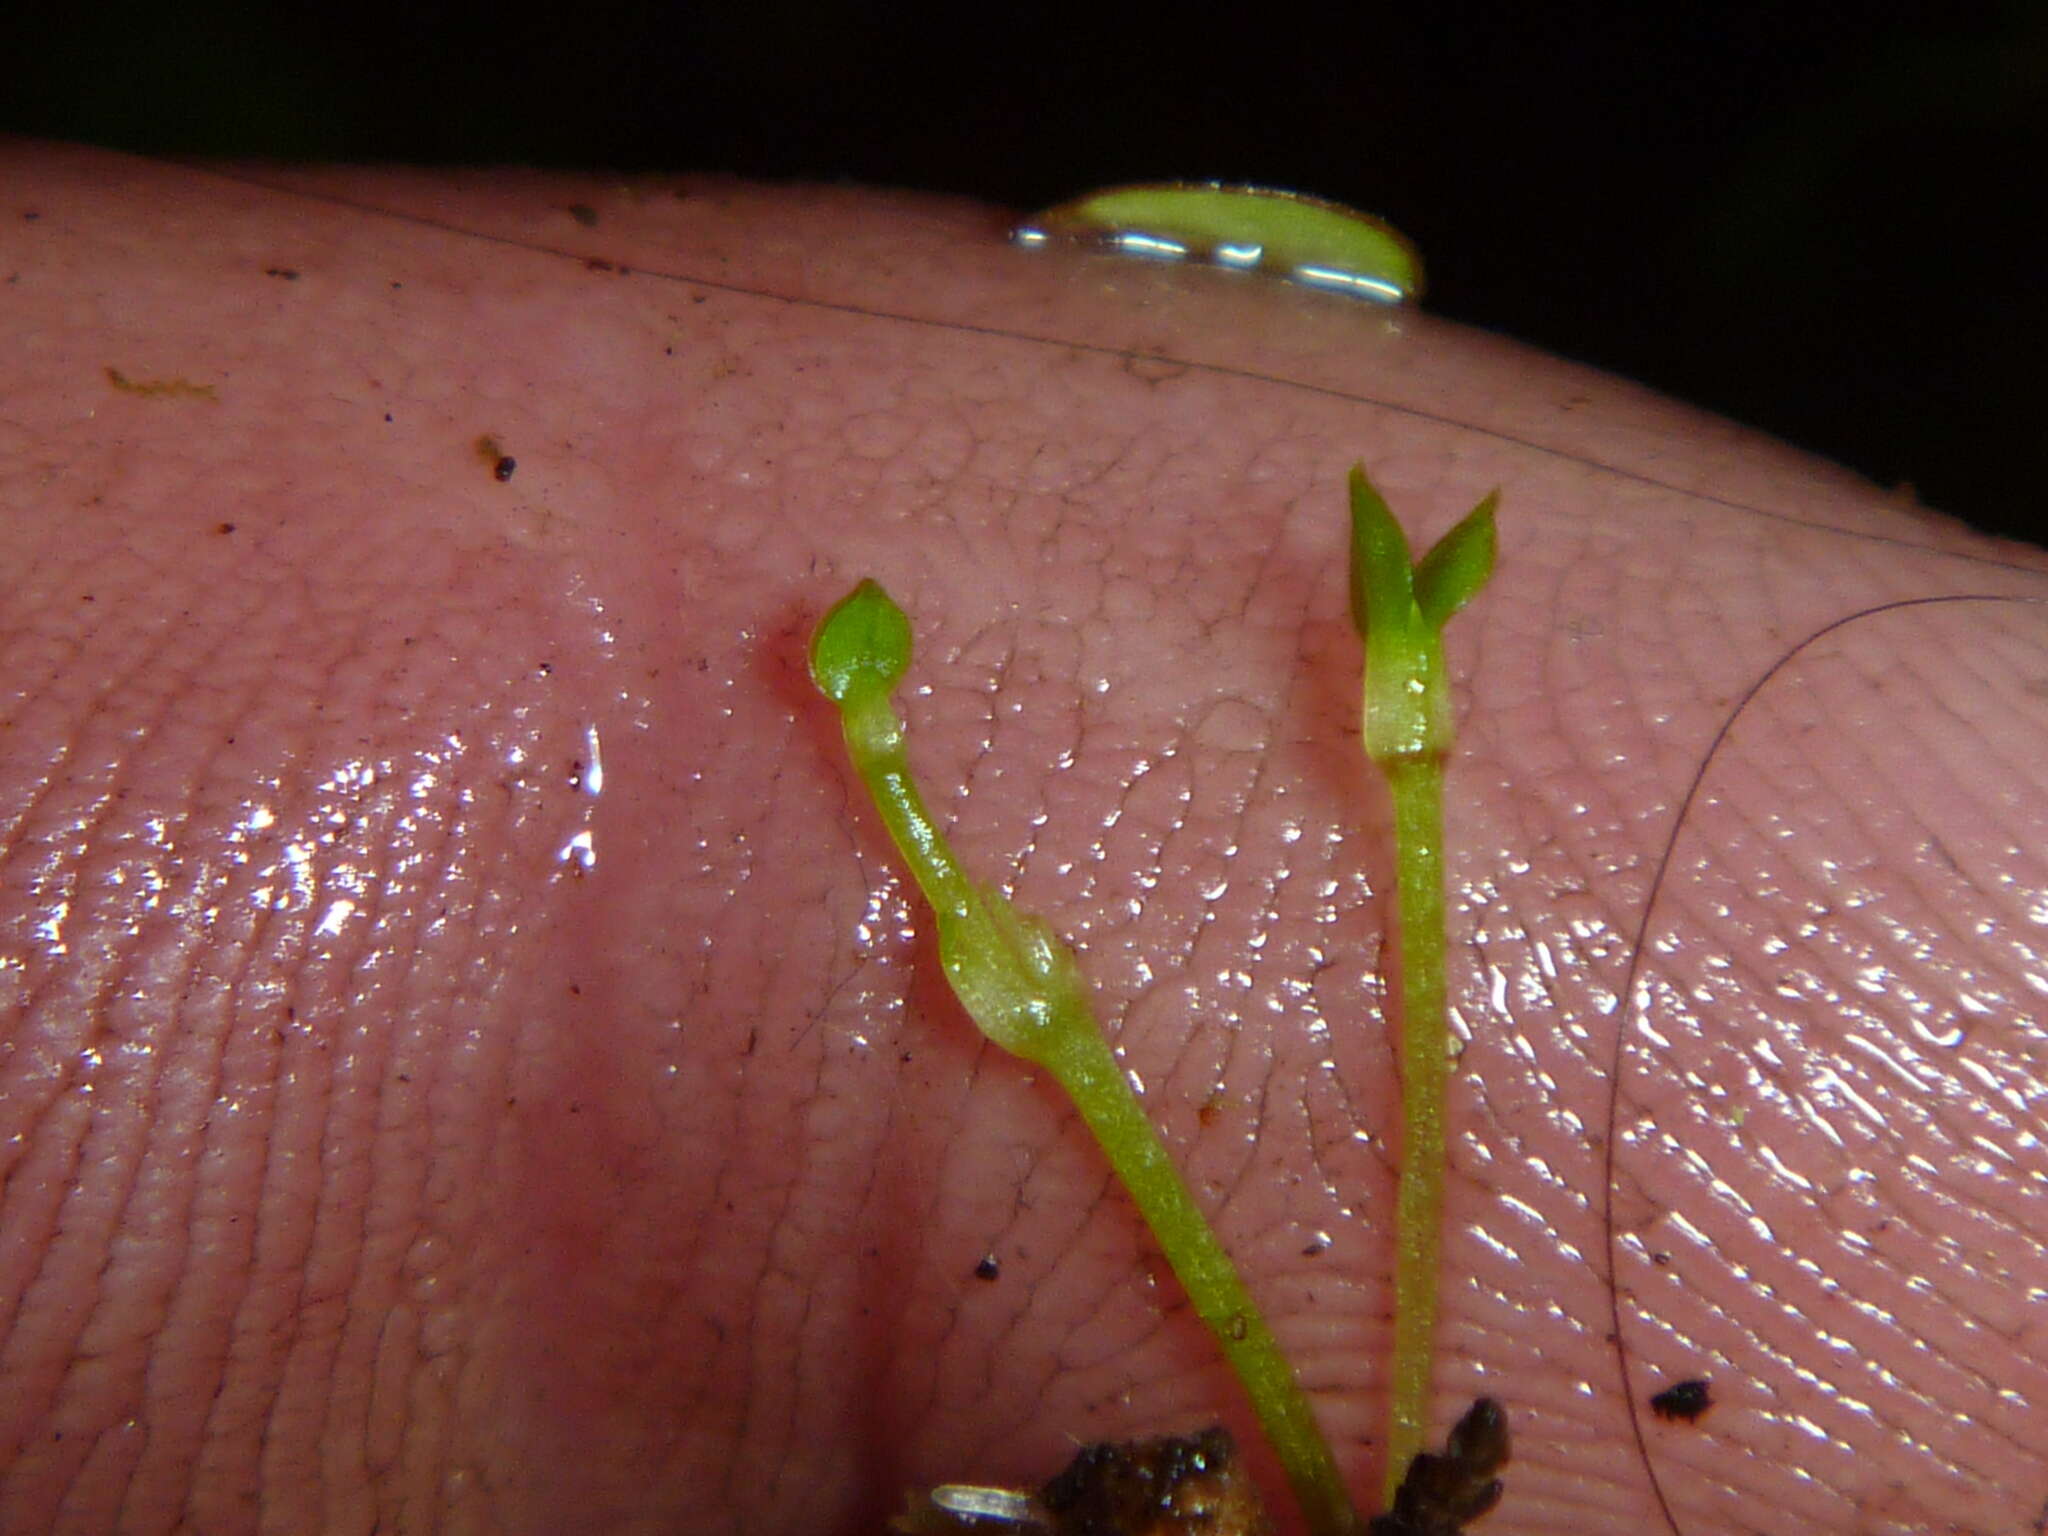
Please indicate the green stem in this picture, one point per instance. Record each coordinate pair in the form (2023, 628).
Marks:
(1087, 1069)
(1416, 784)
(1021, 986)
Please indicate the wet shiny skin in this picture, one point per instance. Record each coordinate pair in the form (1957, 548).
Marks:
(470, 1184)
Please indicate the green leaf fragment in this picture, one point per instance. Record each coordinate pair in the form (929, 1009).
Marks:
(1307, 239)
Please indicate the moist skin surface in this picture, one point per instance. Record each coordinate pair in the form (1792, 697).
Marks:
(469, 1061)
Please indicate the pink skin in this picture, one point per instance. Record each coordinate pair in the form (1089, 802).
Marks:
(404, 1129)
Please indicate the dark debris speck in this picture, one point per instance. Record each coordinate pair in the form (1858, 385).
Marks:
(1444, 1490)
(1685, 1400)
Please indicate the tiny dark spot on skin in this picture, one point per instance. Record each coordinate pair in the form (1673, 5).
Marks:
(583, 214)
(575, 989)
(289, 274)
(753, 1039)
(30, 216)
(1661, 1260)
(87, 597)
(597, 264)
(989, 1268)
(575, 773)
(504, 468)
(225, 529)
(1685, 1400)
(547, 669)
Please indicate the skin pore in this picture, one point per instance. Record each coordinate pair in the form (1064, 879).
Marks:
(410, 1124)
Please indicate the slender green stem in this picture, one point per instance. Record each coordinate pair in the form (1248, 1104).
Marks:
(1400, 610)
(1416, 785)
(1089, 1072)
(1021, 986)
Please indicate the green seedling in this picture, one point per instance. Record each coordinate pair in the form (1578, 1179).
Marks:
(1023, 989)
(1400, 611)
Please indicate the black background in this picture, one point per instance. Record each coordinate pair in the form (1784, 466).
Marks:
(1818, 219)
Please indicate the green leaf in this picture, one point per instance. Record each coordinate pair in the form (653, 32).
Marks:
(1382, 582)
(1451, 574)
(1305, 239)
(862, 647)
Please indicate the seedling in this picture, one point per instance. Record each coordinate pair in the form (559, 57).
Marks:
(1400, 611)
(1022, 987)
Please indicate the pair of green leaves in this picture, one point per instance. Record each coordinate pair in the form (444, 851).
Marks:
(1400, 611)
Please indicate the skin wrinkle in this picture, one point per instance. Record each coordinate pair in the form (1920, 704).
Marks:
(91, 1322)
(414, 1090)
(190, 1298)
